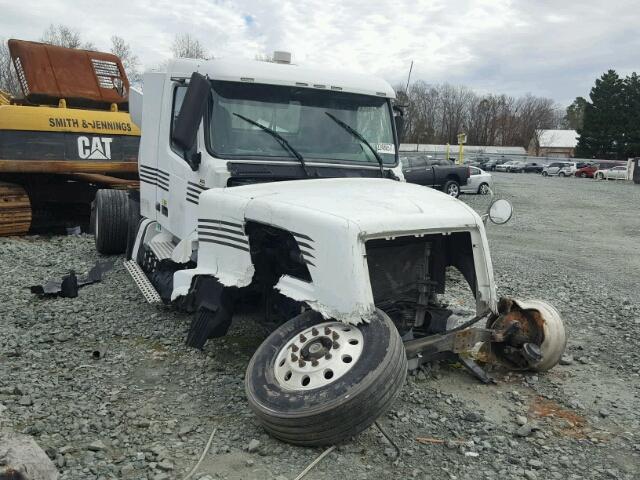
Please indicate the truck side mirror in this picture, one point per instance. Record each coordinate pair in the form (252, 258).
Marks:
(500, 211)
(186, 125)
(398, 116)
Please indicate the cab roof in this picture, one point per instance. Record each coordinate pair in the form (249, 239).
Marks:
(254, 71)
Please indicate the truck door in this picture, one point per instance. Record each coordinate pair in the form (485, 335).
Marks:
(188, 184)
(430, 171)
(416, 171)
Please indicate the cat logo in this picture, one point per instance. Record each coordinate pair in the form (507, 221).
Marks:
(95, 148)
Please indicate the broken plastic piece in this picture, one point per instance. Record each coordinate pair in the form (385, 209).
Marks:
(67, 286)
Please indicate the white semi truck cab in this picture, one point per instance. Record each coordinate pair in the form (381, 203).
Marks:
(227, 148)
(279, 186)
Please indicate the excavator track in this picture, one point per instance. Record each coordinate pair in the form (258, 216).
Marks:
(15, 210)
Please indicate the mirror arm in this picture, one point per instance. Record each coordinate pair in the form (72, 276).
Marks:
(192, 160)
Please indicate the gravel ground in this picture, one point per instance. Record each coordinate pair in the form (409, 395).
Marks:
(146, 408)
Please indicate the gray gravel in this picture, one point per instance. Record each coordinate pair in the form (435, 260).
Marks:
(146, 408)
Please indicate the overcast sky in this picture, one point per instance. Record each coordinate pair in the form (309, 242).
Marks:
(548, 48)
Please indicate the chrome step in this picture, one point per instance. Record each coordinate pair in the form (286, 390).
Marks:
(148, 290)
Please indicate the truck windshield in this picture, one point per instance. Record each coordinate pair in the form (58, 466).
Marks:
(300, 116)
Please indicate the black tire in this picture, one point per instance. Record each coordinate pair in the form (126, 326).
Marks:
(335, 412)
(562, 174)
(452, 188)
(133, 223)
(111, 221)
(545, 174)
(483, 189)
(583, 175)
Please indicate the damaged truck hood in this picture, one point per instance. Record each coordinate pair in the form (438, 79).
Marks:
(376, 206)
(331, 220)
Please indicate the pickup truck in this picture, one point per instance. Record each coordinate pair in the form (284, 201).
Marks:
(435, 173)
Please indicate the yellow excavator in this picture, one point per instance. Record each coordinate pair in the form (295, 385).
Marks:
(69, 136)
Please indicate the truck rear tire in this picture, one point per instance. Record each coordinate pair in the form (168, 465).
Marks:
(111, 221)
(318, 382)
(452, 188)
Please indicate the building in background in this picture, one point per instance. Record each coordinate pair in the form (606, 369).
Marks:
(554, 143)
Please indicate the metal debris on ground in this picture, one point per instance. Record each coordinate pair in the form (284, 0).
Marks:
(204, 454)
(67, 286)
(315, 462)
(388, 437)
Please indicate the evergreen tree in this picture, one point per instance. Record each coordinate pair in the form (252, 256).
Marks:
(574, 116)
(602, 134)
(632, 115)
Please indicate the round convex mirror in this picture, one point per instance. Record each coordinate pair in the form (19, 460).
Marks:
(500, 211)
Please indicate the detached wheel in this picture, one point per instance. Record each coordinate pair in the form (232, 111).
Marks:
(318, 382)
(110, 221)
(541, 336)
(452, 188)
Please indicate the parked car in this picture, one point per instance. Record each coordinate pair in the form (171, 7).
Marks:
(534, 167)
(504, 167)
(614, 173)
(586, 170)
(479, 182)
(572, 167)
(561, 169)
(491, 164)
(435, 173)
(516, 167)
(482, 161)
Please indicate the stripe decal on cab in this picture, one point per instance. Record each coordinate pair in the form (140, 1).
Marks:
(305, 244)
(222, 232)
(154, 176)
(193, 192)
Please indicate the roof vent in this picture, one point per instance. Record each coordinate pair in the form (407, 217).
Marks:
(282, 57)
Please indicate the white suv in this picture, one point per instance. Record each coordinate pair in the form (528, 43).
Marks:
(561, 169)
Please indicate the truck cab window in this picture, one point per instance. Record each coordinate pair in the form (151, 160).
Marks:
(301, 116)
(178, 96)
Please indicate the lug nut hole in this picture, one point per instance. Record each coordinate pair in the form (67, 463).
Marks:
(305, 380)
(328, 374)
(346, 358)
(282, 362)
(287, 376)
(353, 341)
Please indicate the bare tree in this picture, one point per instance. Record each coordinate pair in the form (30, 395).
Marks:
(129, 60)
(64, 36)
(186, 46)
(8, 78)
(437, 113)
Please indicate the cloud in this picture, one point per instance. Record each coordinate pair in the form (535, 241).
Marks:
(549, 48)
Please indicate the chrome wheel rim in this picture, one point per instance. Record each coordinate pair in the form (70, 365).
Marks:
(453, 190)
(318, 356)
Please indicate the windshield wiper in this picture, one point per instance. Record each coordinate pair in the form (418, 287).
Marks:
(280, 139)
(359, 136)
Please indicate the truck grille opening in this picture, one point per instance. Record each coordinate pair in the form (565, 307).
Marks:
(408, 273)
